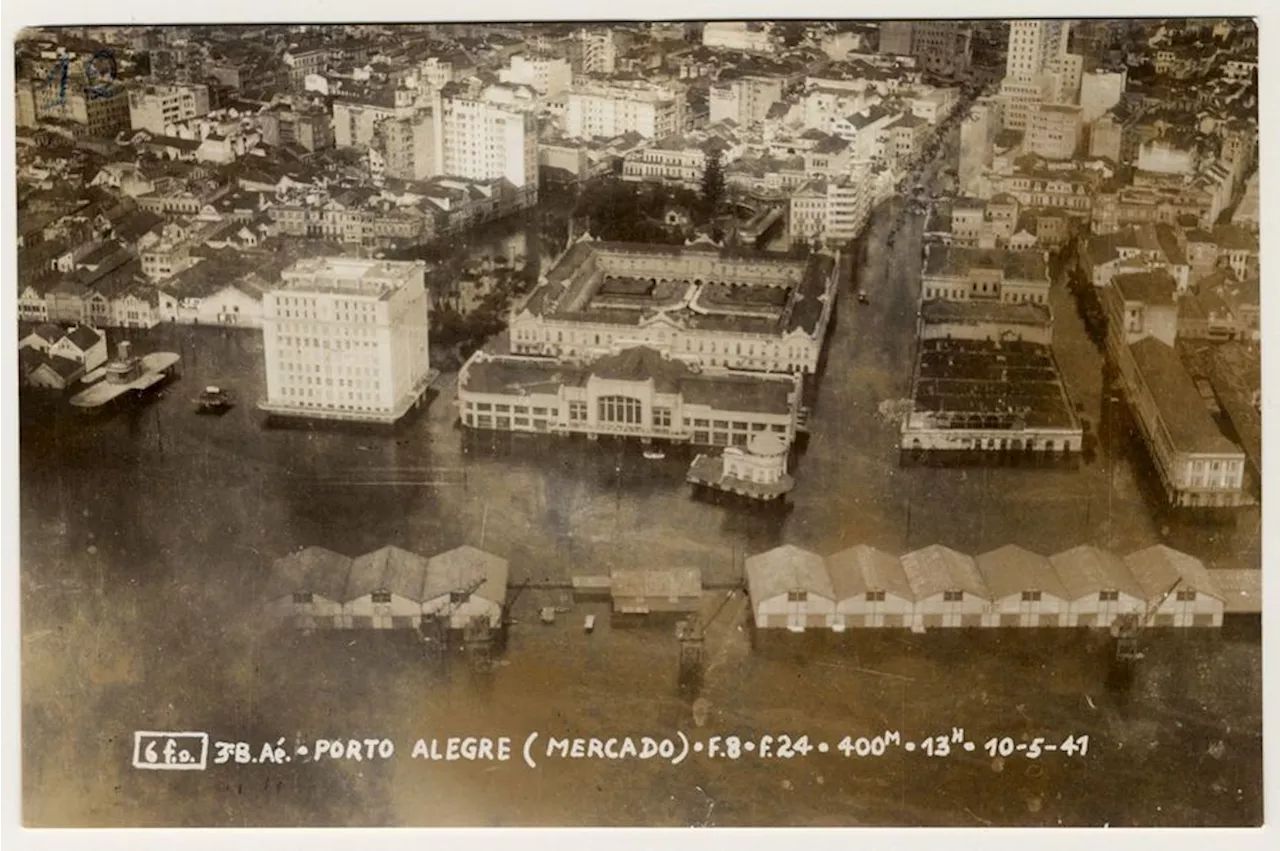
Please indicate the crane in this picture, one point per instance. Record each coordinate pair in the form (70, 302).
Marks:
(1128, 627)
(434, 629)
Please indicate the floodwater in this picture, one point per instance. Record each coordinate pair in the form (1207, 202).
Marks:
(145, 536)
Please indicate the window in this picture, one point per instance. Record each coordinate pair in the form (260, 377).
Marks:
(381, 597)
(797, 596)
(952, 596)
(619, 409)
(302, 597)
(1186, 596)
(483, 406)
(1108, 596)
(1031, 596)
(662, 417)
(875, 596)
(577, 411)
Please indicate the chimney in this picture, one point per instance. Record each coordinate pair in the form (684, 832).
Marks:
(123, 350)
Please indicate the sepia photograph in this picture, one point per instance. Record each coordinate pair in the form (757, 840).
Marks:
(641, 423)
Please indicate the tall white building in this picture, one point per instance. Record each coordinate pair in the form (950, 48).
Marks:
(346, 339)
(977, 143)
(599, 51)
(153, 108)
(480, 140)
(1099, 92)
(611, 110)
(745, 100)
(547, 75)
(1034, 46)
(1038, 69)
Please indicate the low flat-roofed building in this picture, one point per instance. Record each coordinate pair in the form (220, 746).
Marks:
(947, 587)
(307, 588)
(637, 392)
(979, 395)
(871, 589)
(1180, 589)
(1098, 586)
(657, 589)
(697, 303)
(960, 273)
(790, 588)
(1025, 590)
(1197, 464)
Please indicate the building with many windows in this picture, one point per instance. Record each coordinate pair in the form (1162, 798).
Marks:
(958, 273)
(697, 304)
(940, 47)
(610, 110)
(746, 100)
(479, 139)
(154, 108)
(346, 339)
(831, 210)
(638, 392)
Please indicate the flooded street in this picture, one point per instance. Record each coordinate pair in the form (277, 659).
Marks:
(146, 535)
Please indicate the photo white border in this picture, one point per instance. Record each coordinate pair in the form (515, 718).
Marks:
(19, 13)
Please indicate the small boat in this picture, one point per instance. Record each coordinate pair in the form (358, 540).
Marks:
(654, 454)
(213, 400)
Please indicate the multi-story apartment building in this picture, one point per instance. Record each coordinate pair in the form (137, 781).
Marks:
(903, 140)
(546, 75)
(637, 392)
(833, 211)
(977, 143)
(1197, 464)
(304, 61)
(437, 71)
(940, 47)
(1054, 131)
(480, 140)
(356, 114)
(746, 100)
(346, 339)
(696, 304)
(407, 145)
(155, 108)
(311, 129)
(593, 109)
(1038, 69)
(958, 273)
(598, 50)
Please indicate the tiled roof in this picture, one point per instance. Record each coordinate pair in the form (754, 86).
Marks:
(460, 568)
(1158, 567)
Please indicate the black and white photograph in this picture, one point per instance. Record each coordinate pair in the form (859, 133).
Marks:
(635, 423)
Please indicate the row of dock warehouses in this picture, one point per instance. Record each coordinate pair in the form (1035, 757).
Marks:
(389, 588)
(938, 587)
(789, 588)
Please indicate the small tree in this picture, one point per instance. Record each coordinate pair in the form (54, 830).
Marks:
(712, 183)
